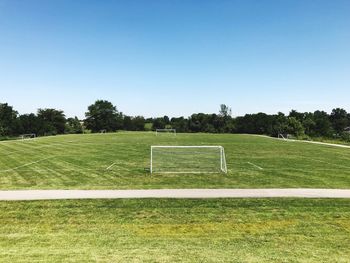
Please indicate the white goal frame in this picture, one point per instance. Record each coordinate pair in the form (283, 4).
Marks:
(285, 136)
(223, 165)
(27, 136)
(103, 131)
(166, 131)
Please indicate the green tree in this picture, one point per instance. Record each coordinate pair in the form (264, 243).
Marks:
(29, 123)
(73, 125)
(127, 123)
(309, 125)
(51, 121)
(166, 120)
(138, 123)
(198, 122)
(298, 115)
(134, 123)
(180, 124)
(103, 115)
(295, 127)
(158, 123)
(279, 124)
(339, 120)
(323, 126)
(224, 121)
(225, 110)
(8, 118)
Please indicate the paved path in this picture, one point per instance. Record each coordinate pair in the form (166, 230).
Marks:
(173, 193)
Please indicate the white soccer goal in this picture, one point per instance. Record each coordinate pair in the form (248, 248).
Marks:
(188, 159)
(103, 131)
(27, 136)
(286, 136)
(167, 131)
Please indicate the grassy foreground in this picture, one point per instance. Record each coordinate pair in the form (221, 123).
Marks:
(81, 162)
(219, 230)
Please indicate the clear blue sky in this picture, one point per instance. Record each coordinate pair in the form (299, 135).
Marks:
(176, 57)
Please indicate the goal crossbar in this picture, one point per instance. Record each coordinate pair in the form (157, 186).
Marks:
(183, 146)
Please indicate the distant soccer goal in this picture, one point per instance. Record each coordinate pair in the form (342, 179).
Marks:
(27, 136)
(188, 159)
(103, 131)
(166, 131)
(286, 136)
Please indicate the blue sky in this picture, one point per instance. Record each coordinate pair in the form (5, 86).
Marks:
(175, 57)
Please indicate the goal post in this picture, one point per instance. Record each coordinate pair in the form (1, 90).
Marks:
(167, 131)
(282, 136)
(188, 159)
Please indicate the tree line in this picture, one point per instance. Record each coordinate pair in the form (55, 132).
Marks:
(103, 115)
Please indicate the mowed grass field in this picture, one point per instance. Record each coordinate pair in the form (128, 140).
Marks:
(172, 230)
(150, 230)
(81, 162)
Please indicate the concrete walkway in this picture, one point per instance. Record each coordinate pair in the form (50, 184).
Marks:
(173, 193)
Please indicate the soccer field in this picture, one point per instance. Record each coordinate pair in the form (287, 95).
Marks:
(179, 230)
(120, 161)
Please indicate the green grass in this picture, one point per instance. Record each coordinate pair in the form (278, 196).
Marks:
(162, 230)
(80, 162)
(217, 230)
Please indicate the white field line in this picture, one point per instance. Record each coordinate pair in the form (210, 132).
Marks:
(327, 144)
(12, 153)
(256, 166)
(73, 164)
(186, 146)
(33, 148)
(53, 170)
(119, 167)
(20, 141)
(27, 164)
(333, 164)
(188, 172)
(109, 167)
(313, 142)
(20, 151)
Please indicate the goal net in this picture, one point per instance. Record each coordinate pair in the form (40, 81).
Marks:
(165, 131)
(188, 159)
(27, 136)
